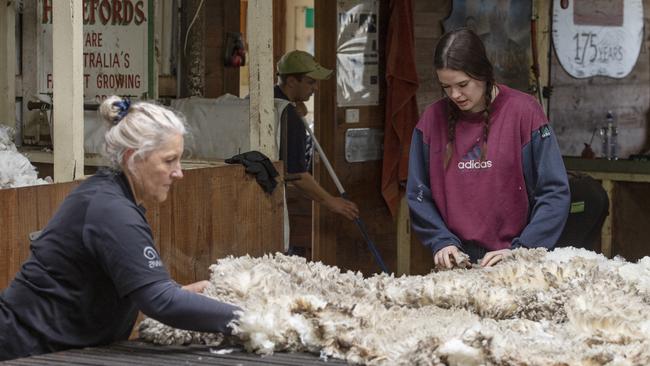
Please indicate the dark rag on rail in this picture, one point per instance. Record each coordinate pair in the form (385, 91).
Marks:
(260, 166)
(401, 102)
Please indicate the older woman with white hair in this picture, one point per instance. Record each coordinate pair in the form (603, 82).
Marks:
(95, 264)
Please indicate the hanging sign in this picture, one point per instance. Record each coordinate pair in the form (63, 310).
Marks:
(357, 53)
(117, 52)
(597, 37)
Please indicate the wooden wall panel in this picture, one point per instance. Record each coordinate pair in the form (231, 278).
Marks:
(427, 21)
(631, 233)
(337, 240)
(577, 106)
(25, 210)
(279, 30)
(211, 213)
(203, 69)
(427, 18)
(8, 235)
(254, 218)
(189, 213)
(231, 23)
(325, 223)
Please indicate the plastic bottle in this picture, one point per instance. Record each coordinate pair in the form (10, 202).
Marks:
(612, 137)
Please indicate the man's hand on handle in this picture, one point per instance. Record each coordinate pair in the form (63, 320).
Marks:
(343, 207)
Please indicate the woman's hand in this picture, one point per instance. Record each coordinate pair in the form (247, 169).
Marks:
(196, 287)
(450, 257)
(492, 258)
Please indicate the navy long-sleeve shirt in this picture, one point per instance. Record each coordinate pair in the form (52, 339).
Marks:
(90, 271)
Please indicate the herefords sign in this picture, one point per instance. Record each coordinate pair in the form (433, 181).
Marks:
(115, 48)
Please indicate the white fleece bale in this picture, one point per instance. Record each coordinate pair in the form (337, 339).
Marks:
(6, 138)
(15, 169)
(637, 274)
(566, 307)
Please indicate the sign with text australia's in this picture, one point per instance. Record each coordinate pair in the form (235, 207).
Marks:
(116, 37)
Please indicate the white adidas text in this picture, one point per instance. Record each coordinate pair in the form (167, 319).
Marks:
(475, 164)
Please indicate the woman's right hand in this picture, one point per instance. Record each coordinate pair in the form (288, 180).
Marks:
(449, 257)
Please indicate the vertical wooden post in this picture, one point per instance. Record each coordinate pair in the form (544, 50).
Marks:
(260, 42)
(403, 238)
(542, 9)
(606, 233)
(153, 24)
(8, 63)
(31, 49)
(324, 221)
(67, 77)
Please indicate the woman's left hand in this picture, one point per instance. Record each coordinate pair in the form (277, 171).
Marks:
(492, 258)
(196, 287)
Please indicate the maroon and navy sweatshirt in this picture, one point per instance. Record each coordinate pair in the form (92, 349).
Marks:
(517, 197)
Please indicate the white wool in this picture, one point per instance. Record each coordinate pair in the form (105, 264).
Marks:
(564, 255)
(6, 135)
(15, 169)
(637, 273)
(459, 353)
(568, 307)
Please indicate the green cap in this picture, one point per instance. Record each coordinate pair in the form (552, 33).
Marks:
(301, 62)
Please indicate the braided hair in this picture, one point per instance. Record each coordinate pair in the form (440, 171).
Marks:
(463, 50)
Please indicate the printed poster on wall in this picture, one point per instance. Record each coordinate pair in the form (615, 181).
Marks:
(357, 53)
(598, 37)
(116, 54)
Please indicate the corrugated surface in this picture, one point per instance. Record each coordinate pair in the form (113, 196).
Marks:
(138, 353)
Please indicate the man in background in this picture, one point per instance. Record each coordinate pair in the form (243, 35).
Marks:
(298, 77)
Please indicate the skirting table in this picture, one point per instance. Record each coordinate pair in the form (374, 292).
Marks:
(140, 353)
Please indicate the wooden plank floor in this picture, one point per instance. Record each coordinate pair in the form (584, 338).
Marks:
(139, 353)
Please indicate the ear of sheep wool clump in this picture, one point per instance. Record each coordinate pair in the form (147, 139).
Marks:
(565, 307)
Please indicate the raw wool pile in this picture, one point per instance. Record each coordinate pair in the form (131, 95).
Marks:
(15, 168)
(566, 307)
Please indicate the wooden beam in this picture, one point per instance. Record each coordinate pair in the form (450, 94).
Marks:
(279, 29)
(68, 89)
(606, 233)
(260, 41)
(231, 9)
(403, 238)
(324, 221)
(155, 65)
(8, 63)
(542, 10)
(30, 52)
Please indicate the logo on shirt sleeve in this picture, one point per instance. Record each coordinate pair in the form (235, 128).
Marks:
(151, 254)
(545, 131)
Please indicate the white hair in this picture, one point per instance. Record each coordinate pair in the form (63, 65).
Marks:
(143, 127)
